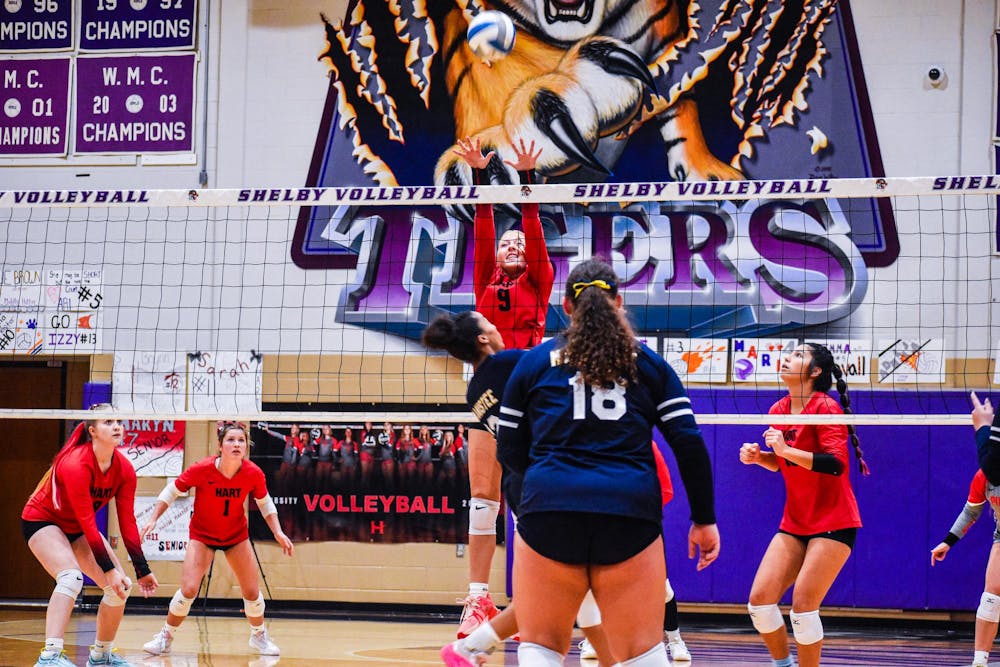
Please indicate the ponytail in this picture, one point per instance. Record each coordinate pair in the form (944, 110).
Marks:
(77, 437)
(822, 359)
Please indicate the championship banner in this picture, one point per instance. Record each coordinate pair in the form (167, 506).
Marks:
(135, 25)
(337, 482)
(36, 25)
(50, 311)
(155, 448)
(168, 541)
(35, 98)
(135, 104)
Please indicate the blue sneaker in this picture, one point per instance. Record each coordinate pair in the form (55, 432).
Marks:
(109, 658)
(54, 660)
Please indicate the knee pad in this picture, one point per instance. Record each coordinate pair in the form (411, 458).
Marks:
(254, 608)
(111, 598)
(989, 607)
(536, 655)
(807, 627)
(589, 615)
(670, 591)
(766, 618)
(69, 583)
(654, 657)
(483, 516)
(180, 605)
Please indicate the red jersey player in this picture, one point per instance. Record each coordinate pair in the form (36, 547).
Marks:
(223, 485)
(512, 279)
(59, 525)
(821, 519)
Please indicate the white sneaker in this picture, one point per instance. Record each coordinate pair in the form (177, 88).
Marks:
(678, 650)
(587, 651)
(260, 642)
(159, 644)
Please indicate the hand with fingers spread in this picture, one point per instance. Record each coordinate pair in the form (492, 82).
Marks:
(470, 150)
(982, 412)
(526, 156)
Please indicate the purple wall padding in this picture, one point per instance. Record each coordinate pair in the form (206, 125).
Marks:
(919, 483)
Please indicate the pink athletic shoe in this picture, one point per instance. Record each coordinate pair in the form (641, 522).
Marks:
(478, 609)
(456, 655)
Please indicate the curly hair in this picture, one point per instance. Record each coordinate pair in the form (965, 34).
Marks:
(600, 342)
(829, 371)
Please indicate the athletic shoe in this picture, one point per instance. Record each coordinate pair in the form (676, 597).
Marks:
(110, 658)
(678, 650)
(159, 644)
(260, 642)
(456, 654)
(587, 651)
(478, 609)
(54, 660)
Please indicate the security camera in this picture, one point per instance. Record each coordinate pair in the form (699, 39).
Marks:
(936, 76)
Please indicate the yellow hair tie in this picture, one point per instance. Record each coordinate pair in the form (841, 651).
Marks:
(579, 287)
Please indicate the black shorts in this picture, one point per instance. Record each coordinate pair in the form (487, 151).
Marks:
(29, 528)
(582, 538)
(221, 547)
(844, 536)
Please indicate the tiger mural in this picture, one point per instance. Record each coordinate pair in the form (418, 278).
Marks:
(586, 79)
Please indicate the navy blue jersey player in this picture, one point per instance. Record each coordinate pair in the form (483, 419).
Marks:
(576, 420)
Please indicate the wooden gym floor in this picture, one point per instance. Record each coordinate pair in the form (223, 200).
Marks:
(221, 642)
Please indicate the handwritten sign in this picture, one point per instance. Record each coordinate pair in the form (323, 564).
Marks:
(47, 310)
(36, 25)
(135, 104)
(35, 98)
(758, 359)
(911, 360)
(697, 359)
(149, 381)
(154, 447)
(225, 382)
(853, 356)
(168, 541)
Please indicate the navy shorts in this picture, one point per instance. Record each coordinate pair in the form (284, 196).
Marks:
(844, 536)
(587, 538)
(29, 528)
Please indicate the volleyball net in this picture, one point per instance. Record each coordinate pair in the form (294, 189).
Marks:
(307, 304)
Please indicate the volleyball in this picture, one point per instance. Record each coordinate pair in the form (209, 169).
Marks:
(491, 35)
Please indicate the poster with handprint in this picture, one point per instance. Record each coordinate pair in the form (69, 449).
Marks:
(698, 359)
(758, 359)
(911, 360)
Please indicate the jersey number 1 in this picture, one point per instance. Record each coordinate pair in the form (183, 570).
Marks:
(605, 404)
(225, 508)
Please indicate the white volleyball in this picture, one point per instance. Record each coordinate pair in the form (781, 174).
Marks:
(491, 35)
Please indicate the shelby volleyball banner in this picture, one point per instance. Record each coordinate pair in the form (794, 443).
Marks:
(714, 90)
(363, 483)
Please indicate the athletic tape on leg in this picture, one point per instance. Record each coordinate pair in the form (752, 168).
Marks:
(535, 655)
(989, 607)
(807, 627)
(766, 617)
(483, 516)
(69, 583)
(589, 615)
(180, 605)
(254, 608)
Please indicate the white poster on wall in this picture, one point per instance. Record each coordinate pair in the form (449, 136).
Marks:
(758, 359)
(852, 355)
(168, 541)
(911, 360)
(225, 383)
(50, 311)
(149, 381)
(154, 447)
(698, 359)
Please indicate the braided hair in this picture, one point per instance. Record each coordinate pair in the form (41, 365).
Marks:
(822, 359)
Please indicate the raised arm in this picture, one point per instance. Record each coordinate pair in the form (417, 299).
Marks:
(539, 268)
(484, 232)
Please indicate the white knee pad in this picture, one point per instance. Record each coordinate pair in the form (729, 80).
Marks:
(254, 608)
(766, 617)
(111, 598)
(989, 608)
(483, 516)
(180, 605)
(807, 627)
(654, 657)
(589, 615)
(535, 655)
(670, 591)
(69, 583)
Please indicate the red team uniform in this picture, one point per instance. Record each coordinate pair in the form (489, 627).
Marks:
(76, 489)
(816, 502)
(517, 306)
(219, 519)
